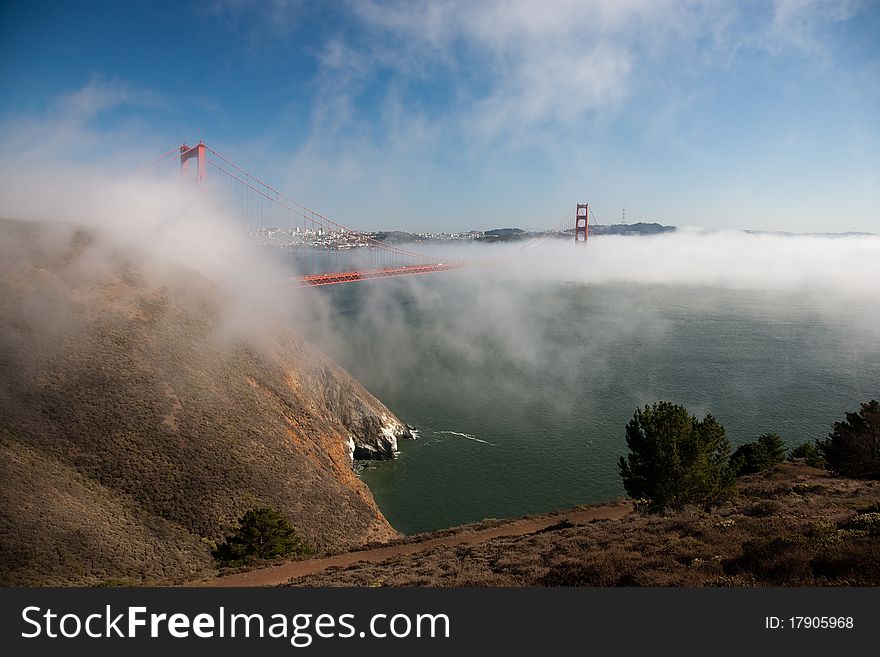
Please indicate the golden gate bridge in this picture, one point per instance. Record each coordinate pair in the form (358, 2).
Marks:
(325, 251)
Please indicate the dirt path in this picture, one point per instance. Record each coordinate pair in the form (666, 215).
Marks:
(284, 572)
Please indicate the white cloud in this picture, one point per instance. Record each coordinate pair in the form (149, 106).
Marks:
(540, 63)
(797, 24)
(100, 95)
(525, 63)
(72, 127)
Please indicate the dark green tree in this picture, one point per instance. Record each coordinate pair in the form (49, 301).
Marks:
(768, 450)
(675, 458)
(261, 534)
(809, 453)
(852, 449)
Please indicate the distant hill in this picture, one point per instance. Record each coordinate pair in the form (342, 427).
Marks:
(639, 228)
(504, 232)
(134, 430)
(395, 236)
(514, 234)
(496, 235)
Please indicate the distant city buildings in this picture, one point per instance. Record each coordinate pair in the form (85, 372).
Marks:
(313, 238)
(340, 240)
(320, 238)
(469, 235)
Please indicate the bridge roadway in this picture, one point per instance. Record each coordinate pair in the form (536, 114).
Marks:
(332, 278)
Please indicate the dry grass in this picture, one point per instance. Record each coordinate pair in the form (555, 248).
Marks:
(792, 526)
(134, 429)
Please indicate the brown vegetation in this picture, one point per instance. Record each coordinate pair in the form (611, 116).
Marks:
(792, 525)
(134, 429)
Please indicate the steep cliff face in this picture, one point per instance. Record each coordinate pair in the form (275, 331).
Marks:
(373, 431)
(134, 429)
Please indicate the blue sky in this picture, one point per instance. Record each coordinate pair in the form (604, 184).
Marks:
(455, 115)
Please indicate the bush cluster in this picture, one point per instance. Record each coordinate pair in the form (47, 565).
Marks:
(763, 454)
(810, 453)
(260, 534)
(852, 449)
(675, 458)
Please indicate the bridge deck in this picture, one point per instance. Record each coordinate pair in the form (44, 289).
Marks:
(333, 278)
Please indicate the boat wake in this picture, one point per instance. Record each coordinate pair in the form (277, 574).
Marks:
(468, 436)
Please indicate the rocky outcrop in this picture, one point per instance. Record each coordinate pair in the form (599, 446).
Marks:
(374, 431)
(376, 437)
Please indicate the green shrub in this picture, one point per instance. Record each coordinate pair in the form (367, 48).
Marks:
(763, 454)
(810, 453)
(852, 449)
(261, 534)
(675, 458)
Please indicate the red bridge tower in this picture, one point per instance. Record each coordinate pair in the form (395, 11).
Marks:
(582, 222)
(189, 152)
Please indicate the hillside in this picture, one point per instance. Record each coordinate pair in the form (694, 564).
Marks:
(792, 526)
(638, 228)
(134, 427)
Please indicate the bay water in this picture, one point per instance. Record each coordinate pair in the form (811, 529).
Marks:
(520, 393)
